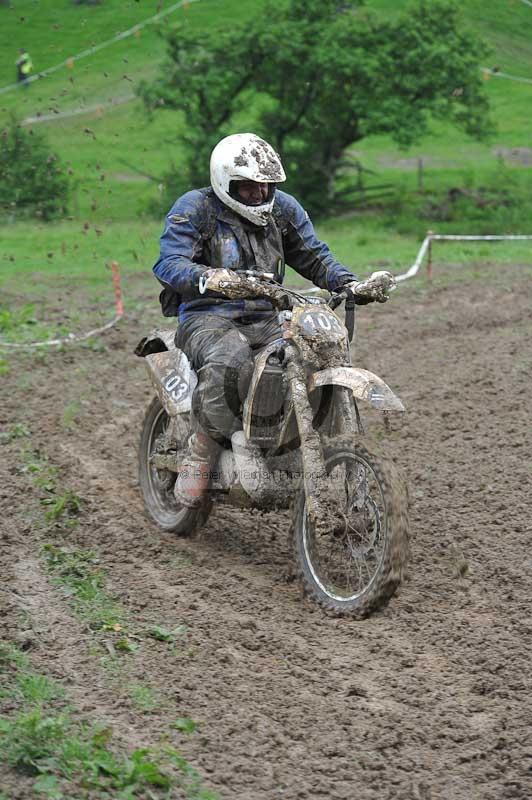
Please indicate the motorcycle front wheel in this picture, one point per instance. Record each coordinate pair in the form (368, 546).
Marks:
(157, 485)
(352, 562)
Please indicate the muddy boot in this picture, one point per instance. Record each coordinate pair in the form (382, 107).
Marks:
(195, 472)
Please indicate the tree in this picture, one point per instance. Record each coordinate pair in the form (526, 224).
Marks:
(32, 180)
(315, 76)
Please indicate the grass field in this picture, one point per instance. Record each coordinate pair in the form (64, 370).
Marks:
(118, 155)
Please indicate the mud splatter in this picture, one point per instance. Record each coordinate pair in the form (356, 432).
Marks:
(267, 159)
(242, 159)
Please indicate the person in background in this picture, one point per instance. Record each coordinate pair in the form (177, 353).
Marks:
(24, 66)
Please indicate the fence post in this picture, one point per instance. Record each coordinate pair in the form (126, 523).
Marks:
(119, 310)
(420, 174)
(429, 256)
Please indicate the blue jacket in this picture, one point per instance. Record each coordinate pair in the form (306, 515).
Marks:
(201, 232)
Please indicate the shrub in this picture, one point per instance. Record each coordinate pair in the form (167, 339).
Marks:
(32, 179)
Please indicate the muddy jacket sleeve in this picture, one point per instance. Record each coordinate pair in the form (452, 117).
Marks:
(179, 265)
(304, 251)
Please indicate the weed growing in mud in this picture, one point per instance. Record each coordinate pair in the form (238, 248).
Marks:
(37, 688)
(185, 725)
(69, 758)
(16, 431)
(143, 697)
(21, 683)
(162, 634)
(42, 738)
(70, 413)
(62, 506)
(78, 572)
(43, 475)
(11, 320)
(123, 645)
(32, 738)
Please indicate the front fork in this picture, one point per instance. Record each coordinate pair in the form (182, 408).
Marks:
(314, 473)
(346, 417)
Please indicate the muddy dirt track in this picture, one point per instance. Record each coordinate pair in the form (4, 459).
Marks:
(429, 698)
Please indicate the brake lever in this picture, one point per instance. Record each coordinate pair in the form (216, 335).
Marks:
(336, 300)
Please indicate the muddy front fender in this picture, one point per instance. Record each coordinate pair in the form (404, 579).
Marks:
(364, 385)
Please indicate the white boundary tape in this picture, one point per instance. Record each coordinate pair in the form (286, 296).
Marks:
(441, 237)
(496, 74)
(91, 50)
(417, 263)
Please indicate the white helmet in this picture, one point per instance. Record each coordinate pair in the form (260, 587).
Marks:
(245, 157)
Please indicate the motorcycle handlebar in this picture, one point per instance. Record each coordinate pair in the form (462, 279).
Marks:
(254, 283)
(255, 273)
(333, 302)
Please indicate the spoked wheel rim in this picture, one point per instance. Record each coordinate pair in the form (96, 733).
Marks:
(161, 481)
(346, 554)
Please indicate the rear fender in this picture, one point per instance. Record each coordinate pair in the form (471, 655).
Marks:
(364, 385)
(173, 380)
(156, 342)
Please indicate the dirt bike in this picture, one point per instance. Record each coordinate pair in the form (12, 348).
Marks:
(298, 447)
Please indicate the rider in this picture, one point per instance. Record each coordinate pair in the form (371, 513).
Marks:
(242, 221)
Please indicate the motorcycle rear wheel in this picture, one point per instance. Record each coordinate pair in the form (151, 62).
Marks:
(352, 564)
(157, 485)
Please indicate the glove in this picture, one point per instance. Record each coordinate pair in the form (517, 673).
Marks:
(218, 280)
(352, 287)
(376, 287)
